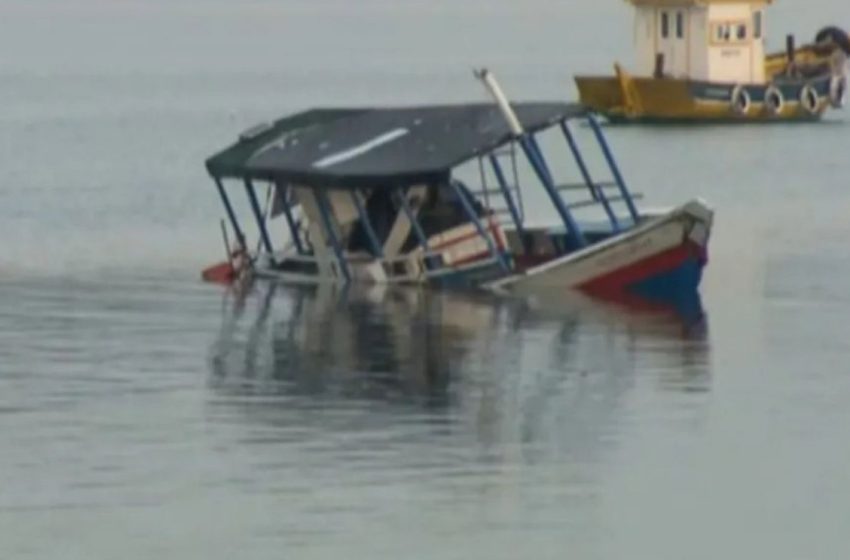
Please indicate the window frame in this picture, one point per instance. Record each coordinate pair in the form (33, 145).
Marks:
(727, 33)
(665, 24)
(680, 24)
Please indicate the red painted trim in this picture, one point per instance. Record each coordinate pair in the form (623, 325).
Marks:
(495, 231)
(455, 241)
(222, 273)
(651, 266)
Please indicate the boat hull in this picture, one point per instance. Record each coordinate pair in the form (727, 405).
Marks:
(625, 99)
(661, 259)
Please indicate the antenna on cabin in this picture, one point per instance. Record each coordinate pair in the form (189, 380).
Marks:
(495, 90)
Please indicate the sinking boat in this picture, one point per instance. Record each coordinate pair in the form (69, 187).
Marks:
(444, 195)
(704, 60)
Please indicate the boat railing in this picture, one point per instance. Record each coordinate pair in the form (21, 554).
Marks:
(598, 196)
(592, 203)
(605, 194)
(583, 186)
(535, 157)
(504, 201)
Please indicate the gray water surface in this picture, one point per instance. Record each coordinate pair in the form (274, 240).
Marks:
(144, 414)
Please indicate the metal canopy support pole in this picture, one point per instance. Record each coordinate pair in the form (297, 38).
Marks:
(533, 141)
(506, 192)
(401, 197)
(532, 152)
(517, 185)
(325, 213)
(485, 188)
(597, 192)
(258, 214)
(534, 156)
(470, 211)
(282, 195)
(377, 249)
(609, 157)
(240, 237)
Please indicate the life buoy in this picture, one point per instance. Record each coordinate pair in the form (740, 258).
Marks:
(809, 99)
(741, 101)
(838, 92)
(774, 101)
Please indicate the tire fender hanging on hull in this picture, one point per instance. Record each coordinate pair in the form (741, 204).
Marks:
(810, 100)
(774, 101)
(741, 102)
(838, 91)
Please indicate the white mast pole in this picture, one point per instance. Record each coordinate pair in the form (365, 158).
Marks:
(489, 81)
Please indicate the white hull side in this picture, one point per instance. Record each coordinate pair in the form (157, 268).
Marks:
(663, 233)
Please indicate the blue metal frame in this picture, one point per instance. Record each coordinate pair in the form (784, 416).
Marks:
(532, 140)
(377, 249)
(240, 237)
(506, 192)
(258, 214)
(401, 197)
(595, 190)
(470, 211)
(324, 212)
(290, 219)
(538, 163)
(615, 170)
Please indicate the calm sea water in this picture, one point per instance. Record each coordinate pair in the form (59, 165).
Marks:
(143, 413)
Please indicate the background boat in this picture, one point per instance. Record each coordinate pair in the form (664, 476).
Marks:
(706, 62)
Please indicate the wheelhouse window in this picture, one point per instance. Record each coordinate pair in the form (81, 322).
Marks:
(680, 25)
(758, 23)
(722, 32)
(665, 25)
(729, 32)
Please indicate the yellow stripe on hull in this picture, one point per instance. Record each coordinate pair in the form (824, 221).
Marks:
(628, 98)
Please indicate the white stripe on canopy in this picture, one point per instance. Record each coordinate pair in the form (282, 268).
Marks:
(361, 149)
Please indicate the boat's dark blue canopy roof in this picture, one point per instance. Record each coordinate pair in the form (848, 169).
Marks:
(347, 148)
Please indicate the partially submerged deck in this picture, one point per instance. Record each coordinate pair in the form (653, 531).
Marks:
(429, 194)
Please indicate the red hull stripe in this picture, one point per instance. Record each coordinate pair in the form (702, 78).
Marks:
(647, 268)
(467, 237)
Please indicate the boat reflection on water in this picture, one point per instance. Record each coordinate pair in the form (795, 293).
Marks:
(416, 345)
(354, 407)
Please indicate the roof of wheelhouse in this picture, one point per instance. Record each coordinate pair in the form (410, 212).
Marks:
(381, 147)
